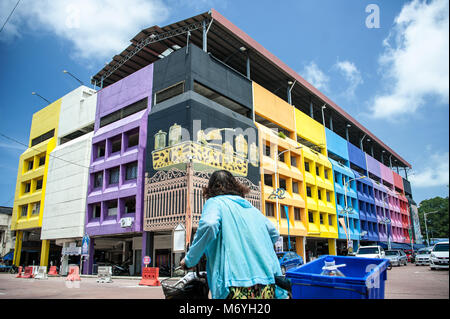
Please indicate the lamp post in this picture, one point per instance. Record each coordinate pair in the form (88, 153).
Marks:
(34, 93)
(346, 204)
(276, 186)
(426, 228)
(385, 221)
(67, 72)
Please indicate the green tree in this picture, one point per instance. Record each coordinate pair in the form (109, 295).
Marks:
(437, 223)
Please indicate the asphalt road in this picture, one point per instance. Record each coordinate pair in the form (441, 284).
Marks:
(405, 282)
(417, 282)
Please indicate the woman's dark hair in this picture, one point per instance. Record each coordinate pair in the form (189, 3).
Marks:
(223, 183)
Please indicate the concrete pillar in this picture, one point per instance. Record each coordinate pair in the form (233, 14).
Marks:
(300, 247)
(64, 270)
(88, 266)
(45, 250)
(148, 247)
(18, 248)
(332, 246)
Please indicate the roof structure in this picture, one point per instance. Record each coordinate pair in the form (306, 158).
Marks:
(230, 45)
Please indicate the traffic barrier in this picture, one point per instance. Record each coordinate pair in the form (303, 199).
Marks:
(52, 271)
(28, 273)
(35, 270)
(19, 274)
(150, 277)
(74, 274)
(104, 274)
(42, 273)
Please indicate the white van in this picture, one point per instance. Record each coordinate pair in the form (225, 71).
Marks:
(439, 256)
(370, 252)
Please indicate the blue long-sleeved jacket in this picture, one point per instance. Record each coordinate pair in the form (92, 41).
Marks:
(238, 242)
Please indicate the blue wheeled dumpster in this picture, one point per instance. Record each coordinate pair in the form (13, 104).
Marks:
(364, 279)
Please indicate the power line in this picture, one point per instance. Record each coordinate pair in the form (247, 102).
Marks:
(16, 141)
(7, 19)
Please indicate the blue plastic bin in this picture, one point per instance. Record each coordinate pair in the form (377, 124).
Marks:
(364, 279)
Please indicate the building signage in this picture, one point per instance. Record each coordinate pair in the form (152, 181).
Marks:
(147, 260)
(85, 245)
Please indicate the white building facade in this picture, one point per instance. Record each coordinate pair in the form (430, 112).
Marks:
(67, 177)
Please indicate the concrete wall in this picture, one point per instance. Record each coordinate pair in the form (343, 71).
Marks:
(77, 110)
(65, 205)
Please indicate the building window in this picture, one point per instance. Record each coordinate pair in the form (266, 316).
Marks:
(42, 160)
(267, 150)
(336, 178)
(295, 187)
(169, 92)
(297, 215)
(325, 171)
(133, 139)
(319, 194)
(27, 187)
(24, 210)
(283, 212)
(39, 184)
(329, 197)
(330, 220)
(42, 137)
(317, 171)
(116, 145)
(112, 208)
(130, 205)
(270, 210)
(282, 183)
(131, 171)
(311, 217)
(98, 179)
(308, 191)
(30, 165)
(293, 161)
(321, 219)
(100, 150)
(96, 210)
(281, 158)
(307, 166)
(114, 176)
(36, 208)
(268, 180)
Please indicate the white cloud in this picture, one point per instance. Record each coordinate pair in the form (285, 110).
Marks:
(435, 174)
(97, 29)
(315, 76)
(352, 76)
(415, 59)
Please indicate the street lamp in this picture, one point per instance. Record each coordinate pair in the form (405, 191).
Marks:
(426, 228)
(346, 204)
(67, 72)
(34, 93)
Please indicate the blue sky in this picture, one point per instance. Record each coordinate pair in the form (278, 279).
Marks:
(392, 79)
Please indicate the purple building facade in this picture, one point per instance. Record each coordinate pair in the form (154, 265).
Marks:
(116, 173)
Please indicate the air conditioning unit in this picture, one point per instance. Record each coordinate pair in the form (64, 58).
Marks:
(126, 222)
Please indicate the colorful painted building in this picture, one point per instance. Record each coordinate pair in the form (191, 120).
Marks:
(114, 210)
(30, 188)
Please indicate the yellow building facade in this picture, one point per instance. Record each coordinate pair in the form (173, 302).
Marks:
(295, 160)
(32, 177)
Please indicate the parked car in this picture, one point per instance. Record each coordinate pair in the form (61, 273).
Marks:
(396, 257)
(439, 256)
(423, 256)
(370, 252)
(288, 260)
